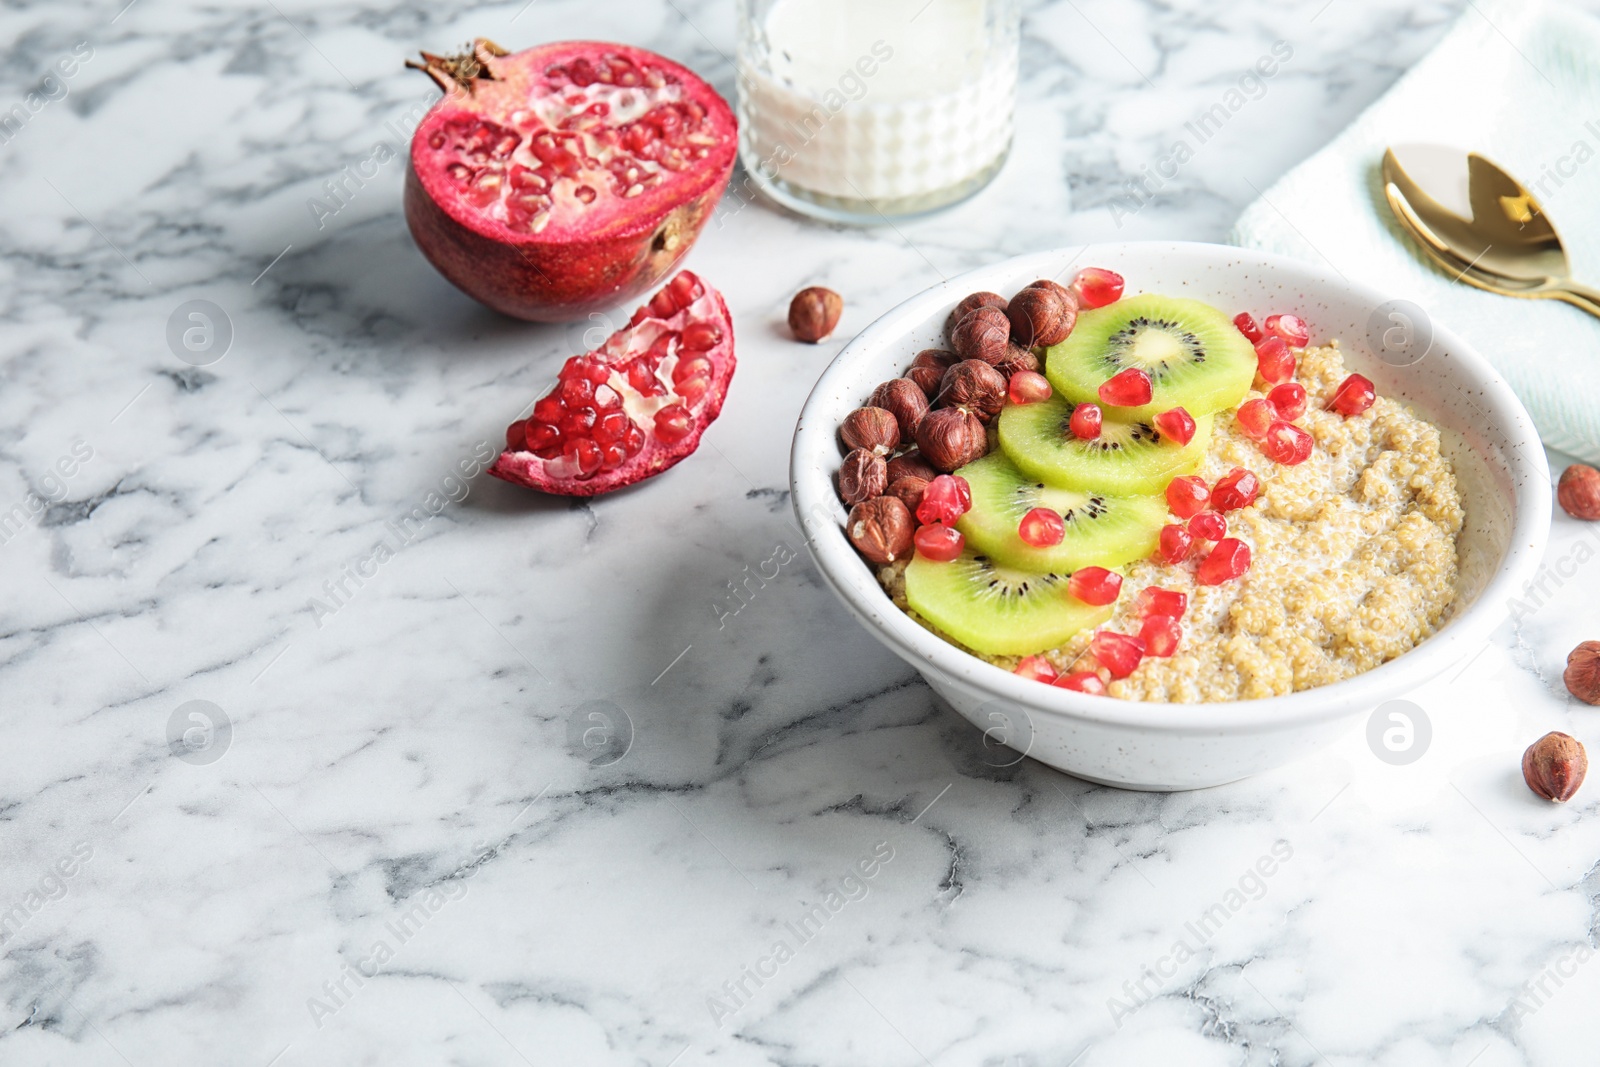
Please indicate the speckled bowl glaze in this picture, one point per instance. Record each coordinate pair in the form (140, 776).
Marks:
(1499, 463)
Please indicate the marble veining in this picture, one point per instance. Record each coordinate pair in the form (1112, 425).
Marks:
(620, 782)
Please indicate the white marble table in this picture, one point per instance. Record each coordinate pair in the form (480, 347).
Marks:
(399, 858)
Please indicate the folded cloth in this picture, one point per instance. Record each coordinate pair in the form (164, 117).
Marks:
(1518, 83)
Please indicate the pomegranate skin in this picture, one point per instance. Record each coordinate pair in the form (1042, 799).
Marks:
(614, 250)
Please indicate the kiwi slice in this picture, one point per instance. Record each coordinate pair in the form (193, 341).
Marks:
(1101, 529)
(1129, 457)
(998, 610)
(1195, 356)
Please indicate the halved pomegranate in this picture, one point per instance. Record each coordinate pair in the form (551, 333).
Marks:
(634, 406)
(565, 179)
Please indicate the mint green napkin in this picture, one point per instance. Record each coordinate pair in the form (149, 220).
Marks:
(1520, 84)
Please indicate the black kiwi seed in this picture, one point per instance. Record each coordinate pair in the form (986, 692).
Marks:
(1114, 343)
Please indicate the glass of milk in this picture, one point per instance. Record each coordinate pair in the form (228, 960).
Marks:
(864, 111)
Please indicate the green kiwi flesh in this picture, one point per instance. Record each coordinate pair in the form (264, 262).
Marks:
(997, 610)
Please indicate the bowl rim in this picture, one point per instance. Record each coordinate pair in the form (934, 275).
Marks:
(811, 495)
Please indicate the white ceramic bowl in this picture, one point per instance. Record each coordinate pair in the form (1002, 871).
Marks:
(1499, 464)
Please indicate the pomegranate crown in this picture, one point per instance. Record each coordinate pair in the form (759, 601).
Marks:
(462, 70)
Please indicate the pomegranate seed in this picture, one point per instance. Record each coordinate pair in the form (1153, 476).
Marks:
(1288, 400)
(1160, 634)
(1154, 600)
(541, 435)
(1229, 559)
(1042, 528)
(1177, 424)
(1187, 495)
(1175, 543)
(577, 391)
(579, 421)
(673, 422)
(692, 389)
(583, 455)
(945, 499)
(1095, 585)
(1247, 326)
(686, 289)
(700, 336)
(516, 437)
(1236, 489)
(1038, 668)
(1082, 682)
(584, 367)
(1287, 443)
(1254, 418)
(939, 542)
(549, 409)
(1354, 395)
(1127, 389)
(1209, 526)
(1085, 422)
(611, 427)
(1097, 287)
(633, 440)
(1274, 361)
(1292, 328)
(698, 367)
(1117, 653)
(612, 457)
(1028, 387)
(607, 398)
(662, 306)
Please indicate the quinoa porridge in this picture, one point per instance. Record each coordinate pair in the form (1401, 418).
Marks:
(1354, 556)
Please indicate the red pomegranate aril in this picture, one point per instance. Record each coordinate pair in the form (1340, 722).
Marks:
(1085, 422)
(673, 422)
(1254, 418)
(1247, 326)
(945, 499)
(538, 435)
(549, 409)
(692, 389)
(1117, 653)
(1037, 668)
(938, 542)
(577, 422)
(1028, 387)
(1160, 634)
(577, 391)
(585, 367)
(607, 398)
(1082, 682)
(1175, 543)
(1095, 585)
(633, 440)
(1209, 526)
(1096, 287)
(517, 436)
(686, 289)
(699, 367)
(1177, 424)
(583, 456)
(1187, 495)
(1154, 600)
(612, 457)
(1228, 560)
(1127, 389)
(611, 427)
(1042, 528)
(1287, 443)
(700, 337)
(1274, 361)
(1354, 395)
(1236, 489)
(1288, 400)
(662, 306)
(1292, 328)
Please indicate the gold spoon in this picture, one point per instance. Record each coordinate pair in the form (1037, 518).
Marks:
(1480, 224)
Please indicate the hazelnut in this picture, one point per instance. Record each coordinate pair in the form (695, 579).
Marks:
(1067, 295)
(1583, 672)
(874, 429)
(970, 304)
(1579, 492)
(813, 313)
(1019, 358)
(983, 334)
(862, 476)
(950, 438)
(927, 370)
(905, 400)
(911, 465)
(1040, 317)
(976, 386)
(881, 529)
(908, 490)
(1554, 766)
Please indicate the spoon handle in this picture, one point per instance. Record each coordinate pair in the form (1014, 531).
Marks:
(1581, 296)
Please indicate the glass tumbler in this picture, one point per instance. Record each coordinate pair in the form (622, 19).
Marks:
(864, 111)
